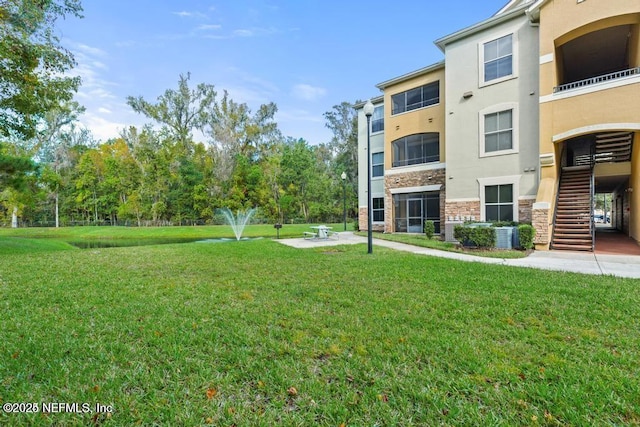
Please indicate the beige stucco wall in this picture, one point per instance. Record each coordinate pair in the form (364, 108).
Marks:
(427, 119)
(602, 107)
(634, 184)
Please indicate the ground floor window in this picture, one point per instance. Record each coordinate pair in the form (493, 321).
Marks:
(413, 209)
(378, 209)
(498, 202)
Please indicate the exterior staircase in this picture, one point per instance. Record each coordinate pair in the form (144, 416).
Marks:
(573, 223)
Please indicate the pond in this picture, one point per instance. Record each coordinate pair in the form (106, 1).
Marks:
(119, 243)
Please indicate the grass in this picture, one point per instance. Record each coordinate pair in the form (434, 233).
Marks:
(13, 240)
(422, 241)
(258, 333)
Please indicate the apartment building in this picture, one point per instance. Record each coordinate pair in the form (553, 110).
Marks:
(532, 112)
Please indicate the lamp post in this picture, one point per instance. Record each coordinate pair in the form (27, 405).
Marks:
(368, 111)
(344, 198)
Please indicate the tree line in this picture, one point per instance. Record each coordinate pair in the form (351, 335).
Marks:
(53, 172)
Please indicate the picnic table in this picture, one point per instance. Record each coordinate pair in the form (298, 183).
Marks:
(320, 232)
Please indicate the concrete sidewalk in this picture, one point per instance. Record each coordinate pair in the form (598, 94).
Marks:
(577, 262)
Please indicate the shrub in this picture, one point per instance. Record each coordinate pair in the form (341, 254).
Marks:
(526, 233)
(461, 233)
(481, 237)
(429, 229)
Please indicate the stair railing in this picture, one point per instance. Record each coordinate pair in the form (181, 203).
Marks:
(563, 159)
(592, 190)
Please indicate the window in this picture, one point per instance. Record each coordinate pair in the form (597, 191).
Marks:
(378, 209)
(498, 58)
(498, 131)
(419, 97)
(498, 202)
(416, 149)
(377, 120)
(377, 165)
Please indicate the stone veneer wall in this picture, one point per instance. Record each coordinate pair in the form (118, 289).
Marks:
(540, 221)
(412, 179)
(525, 208)
(463, 209)
(362, 220)
(471, 208)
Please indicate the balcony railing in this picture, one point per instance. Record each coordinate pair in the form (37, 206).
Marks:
(597, 79)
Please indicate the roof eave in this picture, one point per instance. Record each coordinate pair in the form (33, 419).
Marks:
(533, 12)
(412, 74)
(375, 100)
(480, 26)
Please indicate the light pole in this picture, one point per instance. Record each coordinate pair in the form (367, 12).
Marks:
(368, 111)
(344, 198)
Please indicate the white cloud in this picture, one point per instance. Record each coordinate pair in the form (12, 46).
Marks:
(97, 95)
(98, 64)
(208, 27)
(299, 115)
(307, 92)
(185, 14)
(243, 33)
(88, 50)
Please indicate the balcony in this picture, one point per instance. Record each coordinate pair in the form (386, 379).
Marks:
(598, 79)
(601, 56)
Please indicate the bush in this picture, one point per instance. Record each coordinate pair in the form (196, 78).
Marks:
(481, 237)
(461, 233)
(526, 233)
(429, 229)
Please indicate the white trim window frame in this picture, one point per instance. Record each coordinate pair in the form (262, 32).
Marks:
(513, 180)
(500, 129)
(499, 52)
(377, 119)
(377, 161)
(377, 208)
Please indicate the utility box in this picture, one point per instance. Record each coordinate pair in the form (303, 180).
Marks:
(507, 237)
(449, 227)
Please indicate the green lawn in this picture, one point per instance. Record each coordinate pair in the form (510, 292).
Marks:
(435, 243)
(258, 333)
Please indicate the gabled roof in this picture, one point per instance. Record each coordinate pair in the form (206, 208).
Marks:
(534, 10)
(412, 74)
(512, 4)
(375, 100)
(511, 10)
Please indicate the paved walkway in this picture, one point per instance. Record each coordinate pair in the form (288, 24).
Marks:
(577, 262)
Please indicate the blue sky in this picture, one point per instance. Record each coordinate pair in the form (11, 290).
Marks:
(304, 55)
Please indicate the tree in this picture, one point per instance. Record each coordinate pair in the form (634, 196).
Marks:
(13, 168)
(342, 120)
(33, 63)
(296, 177)
(181, 111)
(236, 133)
(56, 134)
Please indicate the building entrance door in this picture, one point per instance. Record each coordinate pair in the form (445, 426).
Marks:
(414, 216)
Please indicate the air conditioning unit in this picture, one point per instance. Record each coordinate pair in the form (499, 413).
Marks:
(449, 227)
(507, 237)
